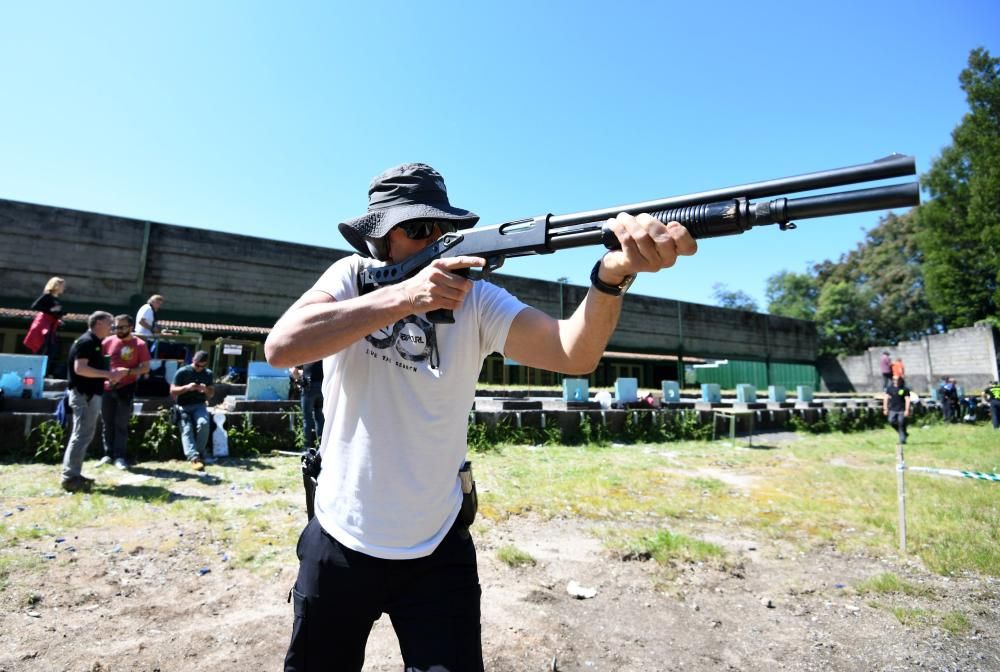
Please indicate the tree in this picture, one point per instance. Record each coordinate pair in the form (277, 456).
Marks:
(736, 299)
(792, 295)
(959, 230)
(887, 266)
(879, 283)
(845, 318)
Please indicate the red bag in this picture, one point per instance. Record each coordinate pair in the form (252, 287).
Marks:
(39, 330)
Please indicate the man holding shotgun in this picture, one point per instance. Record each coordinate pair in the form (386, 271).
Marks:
(390, 534)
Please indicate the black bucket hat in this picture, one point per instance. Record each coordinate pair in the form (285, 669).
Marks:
(401, 194)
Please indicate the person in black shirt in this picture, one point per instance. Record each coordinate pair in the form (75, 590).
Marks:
(88, 369)
(42, 338)
(310, 379)
(896, 405)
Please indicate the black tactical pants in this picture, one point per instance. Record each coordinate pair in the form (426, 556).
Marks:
(433, 603)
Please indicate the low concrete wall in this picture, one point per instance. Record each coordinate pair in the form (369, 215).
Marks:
(276, 421)
(969, 355)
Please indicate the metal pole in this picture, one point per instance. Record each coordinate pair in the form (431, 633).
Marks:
(901, 495)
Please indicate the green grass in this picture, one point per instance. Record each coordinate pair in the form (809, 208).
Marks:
(250, 509)
(667, 547)
(837, 489)
(889, 583)
(954, 622)
(832, 489)
(912, 617)
(512, 556)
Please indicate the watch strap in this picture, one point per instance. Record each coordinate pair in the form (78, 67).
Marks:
(613, 290)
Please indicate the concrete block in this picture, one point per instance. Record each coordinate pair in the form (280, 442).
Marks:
(671, 391)
(626, 390)
(576, 389)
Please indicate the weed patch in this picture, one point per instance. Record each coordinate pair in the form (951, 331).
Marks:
(666, 547)
(512, 556)
(889, 583)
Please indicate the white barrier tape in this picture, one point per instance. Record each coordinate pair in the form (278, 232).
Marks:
(979, 475)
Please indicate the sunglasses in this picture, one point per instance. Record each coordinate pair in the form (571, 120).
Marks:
(122, 327)
(418, 230)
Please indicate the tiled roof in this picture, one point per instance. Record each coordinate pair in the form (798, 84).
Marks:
(650, 358)
(166, 324)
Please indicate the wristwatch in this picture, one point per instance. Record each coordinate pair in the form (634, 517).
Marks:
(613, 290)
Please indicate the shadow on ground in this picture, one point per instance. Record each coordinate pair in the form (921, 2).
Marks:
(153, 494)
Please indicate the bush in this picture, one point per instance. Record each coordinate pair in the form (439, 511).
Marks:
(838, 420)
(484, 437)
(246, 440)
(48, 439)
(638, 427)
(160, 441)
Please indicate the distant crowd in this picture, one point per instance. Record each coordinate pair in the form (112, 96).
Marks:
(954, 405)
(103, 368)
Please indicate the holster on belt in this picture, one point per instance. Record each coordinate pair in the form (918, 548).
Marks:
(470, 502)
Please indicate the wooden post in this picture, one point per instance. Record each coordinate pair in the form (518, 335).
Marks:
(901, 495)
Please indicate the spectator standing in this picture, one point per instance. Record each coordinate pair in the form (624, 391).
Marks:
(896, 406)
(192, 388)
(310, 381)
(145, 320)
(992, 396)
(948, 392)
(42, 337)
(898, 370)
(88, 370)
(885, 367)
(130, 353)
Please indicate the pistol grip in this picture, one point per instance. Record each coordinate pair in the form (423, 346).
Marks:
(441, 316)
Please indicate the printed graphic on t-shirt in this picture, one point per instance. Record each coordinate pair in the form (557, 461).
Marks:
(127, 353)
(413, 338)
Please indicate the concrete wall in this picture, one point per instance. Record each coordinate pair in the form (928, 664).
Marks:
(655, 325)
(115, 263)
(969, 355)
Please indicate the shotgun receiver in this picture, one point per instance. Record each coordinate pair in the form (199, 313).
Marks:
(706, 214)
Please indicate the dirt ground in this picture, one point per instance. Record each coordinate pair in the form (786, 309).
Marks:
(110, 600)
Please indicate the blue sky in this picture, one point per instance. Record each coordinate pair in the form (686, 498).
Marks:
(270, 119)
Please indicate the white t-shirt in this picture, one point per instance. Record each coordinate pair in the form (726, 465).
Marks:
(395, 431)
(145, 313)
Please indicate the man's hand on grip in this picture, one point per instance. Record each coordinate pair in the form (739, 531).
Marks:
(437, 286)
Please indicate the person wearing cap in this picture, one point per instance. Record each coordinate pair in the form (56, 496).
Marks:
(948, 397)
(192, 388)
(390, 533)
